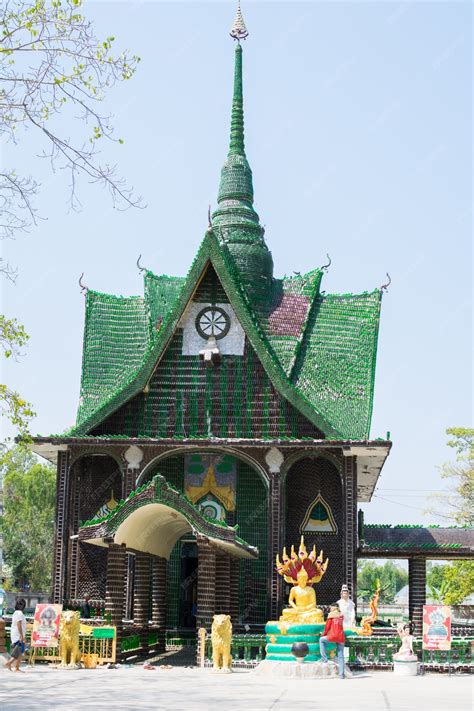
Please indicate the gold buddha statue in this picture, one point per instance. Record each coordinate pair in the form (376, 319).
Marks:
(302, 601)
(302, 571)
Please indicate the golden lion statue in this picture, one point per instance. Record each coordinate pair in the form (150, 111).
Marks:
(69, 639)
(221, 637)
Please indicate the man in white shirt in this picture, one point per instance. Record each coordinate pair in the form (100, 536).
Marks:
(17, 636)
(347, 608)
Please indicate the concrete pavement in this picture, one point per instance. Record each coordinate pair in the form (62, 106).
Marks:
(184, 689)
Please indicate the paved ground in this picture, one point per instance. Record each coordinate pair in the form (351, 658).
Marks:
(183, 689)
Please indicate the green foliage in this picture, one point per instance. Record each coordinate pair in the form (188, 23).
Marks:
(451, 584)
(12, 406)
(457, 505)
(460, 577)
(389, 577)
(27, 525)
(463, 441)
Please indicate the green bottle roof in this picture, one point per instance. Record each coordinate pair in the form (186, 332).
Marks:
(318, 350)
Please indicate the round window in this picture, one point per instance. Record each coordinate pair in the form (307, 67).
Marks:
(212, 321)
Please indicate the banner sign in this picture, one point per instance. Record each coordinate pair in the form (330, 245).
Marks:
(45, 631)
(437, 627)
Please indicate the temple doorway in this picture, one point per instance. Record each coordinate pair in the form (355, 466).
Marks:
(188, 584)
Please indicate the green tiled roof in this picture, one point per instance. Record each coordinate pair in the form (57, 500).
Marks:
(114, 374)
(318, 351)
(161, 293)
(116, 339)
(159, 491)
(439, 540)
(335, 368)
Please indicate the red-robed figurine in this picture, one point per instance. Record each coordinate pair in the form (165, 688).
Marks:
(334, 632)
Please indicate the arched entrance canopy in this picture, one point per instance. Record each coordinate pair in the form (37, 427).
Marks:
(154, 517)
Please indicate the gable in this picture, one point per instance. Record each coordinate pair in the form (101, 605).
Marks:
(326, 372)
(185, 399)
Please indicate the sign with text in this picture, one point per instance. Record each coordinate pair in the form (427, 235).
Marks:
(45, 631)
(437, 627)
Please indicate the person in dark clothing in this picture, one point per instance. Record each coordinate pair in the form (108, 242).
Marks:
(86, 610)
(334, 632)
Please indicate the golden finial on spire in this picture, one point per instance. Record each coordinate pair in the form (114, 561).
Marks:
(239, 30)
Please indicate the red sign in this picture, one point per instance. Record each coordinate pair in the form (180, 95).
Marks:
(45, 631)
(437, 627)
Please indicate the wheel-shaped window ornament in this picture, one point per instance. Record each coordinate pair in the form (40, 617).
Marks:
(212, 321)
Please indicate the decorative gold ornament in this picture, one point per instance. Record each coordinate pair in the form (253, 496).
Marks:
(302, 570)
(367, 622)
(221, 638)
(209, 485)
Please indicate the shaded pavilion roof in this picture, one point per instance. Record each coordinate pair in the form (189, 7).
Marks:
(386, 541)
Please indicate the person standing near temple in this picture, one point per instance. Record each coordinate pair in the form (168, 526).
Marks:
(334, 632)
(17, 636)
(86, 611)
(347, 608)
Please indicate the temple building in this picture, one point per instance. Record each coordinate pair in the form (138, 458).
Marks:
(222, 415)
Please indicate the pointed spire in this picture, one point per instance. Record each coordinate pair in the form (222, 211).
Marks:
(237, 146)
(235, 219)
(235, 199)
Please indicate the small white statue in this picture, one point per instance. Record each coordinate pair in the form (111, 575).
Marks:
(405, 653)
(347, 608)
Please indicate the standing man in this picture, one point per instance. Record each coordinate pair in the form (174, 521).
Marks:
(334, 632)
(17, 636)
(347, 608)
(85, 613)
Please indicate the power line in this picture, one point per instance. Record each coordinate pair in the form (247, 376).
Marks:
(409, 496)
(387, 488)
(407, 506)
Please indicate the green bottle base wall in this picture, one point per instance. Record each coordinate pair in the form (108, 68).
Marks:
(279, 645)
(276, 628)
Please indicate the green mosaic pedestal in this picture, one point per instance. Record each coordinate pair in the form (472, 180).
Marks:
(281, 638)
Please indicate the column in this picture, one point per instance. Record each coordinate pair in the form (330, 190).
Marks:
(222, 584)
(158, 598)
(234, 592)
(72, 582)
(350, 525)
(61, 529)
(141, 597)
(416, 592)
(275, 525)
(114, 593)
(133, 457)
(128, 482)
(206, 584)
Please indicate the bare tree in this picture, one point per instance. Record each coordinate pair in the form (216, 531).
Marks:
(54, 74)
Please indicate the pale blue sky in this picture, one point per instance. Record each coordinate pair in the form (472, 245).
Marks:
(358, 131)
